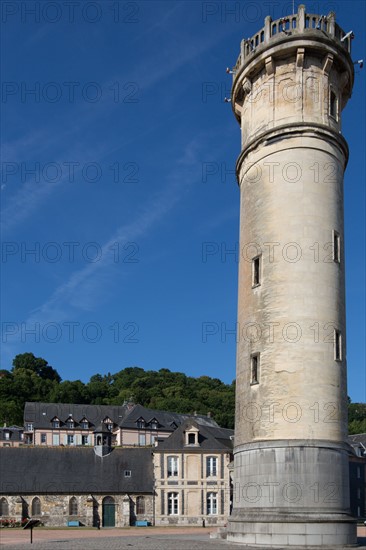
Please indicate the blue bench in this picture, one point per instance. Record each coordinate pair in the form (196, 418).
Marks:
(73, 523)
(141, 523)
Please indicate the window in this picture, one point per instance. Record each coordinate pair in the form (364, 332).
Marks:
(127, 473)
(173, 508)
(29, 427)
(84, 424)
(4, 507)
(6, 435)
(141, 423)
(254, 369)
(333, 105)
(44, 438)
(192, 439)
(211, 504)
(142, 439)
(358, 472)
(55, 439)
(109, 426)
(336, 247)
(256, 271)
(70, 423)
(55, 422)
(211, 466)
(85, 440)
(337, 345)
(172, 466)
(70, 439)
(36, 507)
(140, 505)
(154, 424)
(73, 506)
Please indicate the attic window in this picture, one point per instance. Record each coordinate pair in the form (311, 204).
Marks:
(70, 423)
(55, 423)
(141, 423)
(127, 473)
(84, 424)
(191, 439)
(154, 424)
(108, 423)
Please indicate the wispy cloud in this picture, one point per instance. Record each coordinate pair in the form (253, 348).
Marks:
(84, 288)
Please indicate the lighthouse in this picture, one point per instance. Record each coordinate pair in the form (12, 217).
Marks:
(291, 83)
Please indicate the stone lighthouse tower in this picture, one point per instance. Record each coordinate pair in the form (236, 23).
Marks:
(291, 82)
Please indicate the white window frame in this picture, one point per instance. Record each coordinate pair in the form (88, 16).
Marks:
(173, 466)
(211, 466)
(44, 435)
(173, 504)
(211, 503)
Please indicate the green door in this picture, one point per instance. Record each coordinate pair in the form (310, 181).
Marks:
(109, 512)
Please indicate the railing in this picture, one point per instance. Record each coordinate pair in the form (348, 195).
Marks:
(289, 25)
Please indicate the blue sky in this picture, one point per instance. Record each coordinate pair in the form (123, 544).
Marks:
(117, 172)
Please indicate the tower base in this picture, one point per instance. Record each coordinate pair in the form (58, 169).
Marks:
(292, 493)
(308, 530)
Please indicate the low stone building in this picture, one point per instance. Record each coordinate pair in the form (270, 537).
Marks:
(61, 485)
(192, 475)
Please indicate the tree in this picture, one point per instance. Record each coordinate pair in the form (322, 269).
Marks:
(36, 364)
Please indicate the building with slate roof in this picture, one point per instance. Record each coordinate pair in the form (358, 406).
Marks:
(192, 475)
(129, 424)
(59, 485)
(11, 436)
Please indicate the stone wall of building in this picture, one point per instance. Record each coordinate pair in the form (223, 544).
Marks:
(55, 509)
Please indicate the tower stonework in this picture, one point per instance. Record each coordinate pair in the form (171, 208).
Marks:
(291, 487)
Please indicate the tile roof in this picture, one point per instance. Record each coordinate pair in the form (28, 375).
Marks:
(36, 470)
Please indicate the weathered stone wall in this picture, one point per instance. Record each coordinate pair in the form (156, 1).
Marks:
(55, 509)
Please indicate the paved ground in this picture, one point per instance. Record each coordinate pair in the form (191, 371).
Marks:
(116, 539)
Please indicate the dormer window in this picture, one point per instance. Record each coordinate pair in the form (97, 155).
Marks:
(140, 423)
(84, 424)
(154, 424)
(108, 423)
(70, 423)
(55, 422)
(191, 436)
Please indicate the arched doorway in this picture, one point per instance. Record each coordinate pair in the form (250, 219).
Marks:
(109, 512)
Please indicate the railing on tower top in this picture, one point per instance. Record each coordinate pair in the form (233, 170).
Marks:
(289, 25)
